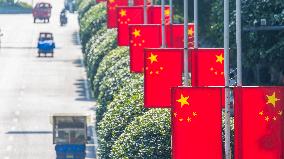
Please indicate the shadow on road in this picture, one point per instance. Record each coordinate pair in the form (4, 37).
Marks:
(81, 91)
(75, 39)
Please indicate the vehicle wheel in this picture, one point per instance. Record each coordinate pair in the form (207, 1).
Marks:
(47, 20)
(34, 20)
(38, 54)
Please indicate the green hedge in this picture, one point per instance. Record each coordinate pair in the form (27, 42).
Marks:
(107, 62)
(148, 137)
(120, 112)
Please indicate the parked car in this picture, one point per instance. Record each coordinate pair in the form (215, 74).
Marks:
(42, 11)
(45, 44)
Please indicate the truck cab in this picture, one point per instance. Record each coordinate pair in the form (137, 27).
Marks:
(42, 11)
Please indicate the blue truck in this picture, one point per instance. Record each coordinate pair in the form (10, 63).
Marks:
(45, 44)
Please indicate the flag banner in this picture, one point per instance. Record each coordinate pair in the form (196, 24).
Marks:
(126, 16)
(175, 35)
(208, 67)
(163, 70)
(141, 2)
(98, 1)
(111, 11)
(142, 36)
(155, 14)
(259, 127)
(196, 123)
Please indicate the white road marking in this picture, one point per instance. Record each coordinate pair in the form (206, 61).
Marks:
(9, 148)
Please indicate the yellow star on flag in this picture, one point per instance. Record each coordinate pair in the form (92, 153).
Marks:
(280, 113)
(183, 100)
(111, 1)
(272, 99)
(167, 12)
(122, 13)
(190, 32)
(220, 58)
(267, 118)
(153, 58)
(136, 33)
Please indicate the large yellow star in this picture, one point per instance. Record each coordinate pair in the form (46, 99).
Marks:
(136, 33)
(190, 32)
(272, 99)
(183, 100)
(122, 12)
(153, 58)
(220, 58)
(167, 12)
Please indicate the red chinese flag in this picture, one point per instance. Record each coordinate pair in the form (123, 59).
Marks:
(155, 14)
(142, 36)
(141, 2)
(111, 11)
(196, 123)
(163, 70)
(208, 67)
(126, 16)
(175, 35)
(259, 130)
(98, 1)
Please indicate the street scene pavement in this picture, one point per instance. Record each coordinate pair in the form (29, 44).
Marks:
(33, 88)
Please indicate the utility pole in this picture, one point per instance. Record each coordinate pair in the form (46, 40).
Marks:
(185, 36)
(239, 42)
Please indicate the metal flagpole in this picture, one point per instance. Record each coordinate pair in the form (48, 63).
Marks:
(195, 24)
(171, 11)
(239, 42)
(145, 12)
(226, 72)
(185, 54)
(163, 25)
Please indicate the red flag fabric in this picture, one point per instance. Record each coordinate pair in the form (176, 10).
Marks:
(259, 122)
(163, 70)
(126, 16)
(196, 123)
(208, 67)
(175, 35)
(155, 14)
(111, 11)
(142, 36)
(141, 2)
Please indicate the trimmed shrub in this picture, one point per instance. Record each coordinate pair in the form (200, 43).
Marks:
(127, 105)
(148, 137)
(107, 62)
(83, 6)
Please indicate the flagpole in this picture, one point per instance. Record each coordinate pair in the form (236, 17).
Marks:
(185, 54)
(145, 12)
(239, 42)
(195, 24)
(163, 25)
(171, 11)
(226, 74)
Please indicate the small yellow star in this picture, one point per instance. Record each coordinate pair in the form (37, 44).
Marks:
(188, 119)
(220, 58)
(261, 113)
(272, 99)
(175, 114)
(211, 69)
(190, 32)
(280, 113)
(161, 68)
(274, 118)
(111, 1)
(153, 58)
(181, 119)
(267, 118)
(167, 12)
(157, 72)
(183, 100)
(136, 33)
(122, 12)
(151, 72)
(194, 114)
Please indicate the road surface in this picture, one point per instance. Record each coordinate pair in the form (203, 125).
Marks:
(32, 88)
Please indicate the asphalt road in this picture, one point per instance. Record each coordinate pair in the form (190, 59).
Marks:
(32, 88)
